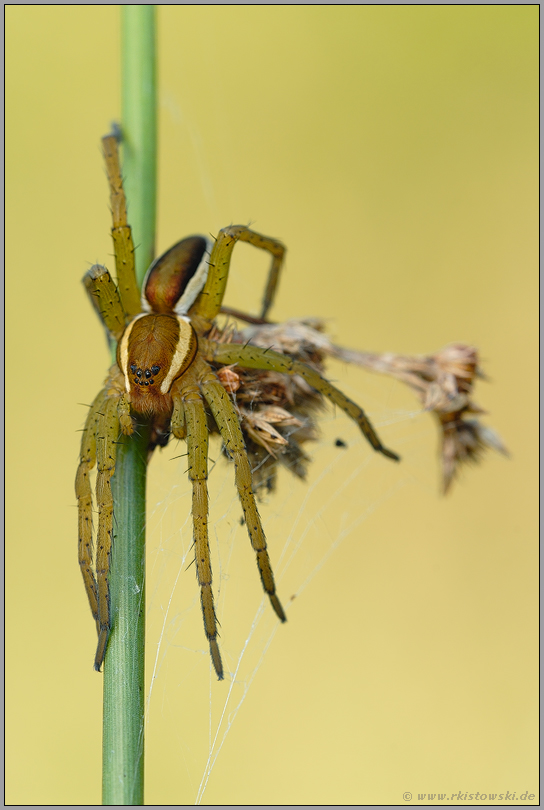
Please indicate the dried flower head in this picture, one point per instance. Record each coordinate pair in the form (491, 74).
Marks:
(444, 382)
(278, 412)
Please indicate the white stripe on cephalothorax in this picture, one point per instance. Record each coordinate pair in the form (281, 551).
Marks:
(185, 350)
(123, 349)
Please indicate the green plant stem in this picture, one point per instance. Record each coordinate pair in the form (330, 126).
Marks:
(124, 673)
(124, 685)
(139, 128)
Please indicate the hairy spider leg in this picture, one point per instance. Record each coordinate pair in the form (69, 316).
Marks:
(106, 447)
(254, 357)
(109, 411)
(178, 425)
(190, 419)
(105, 299)
(209, 302)
(87, 460)
(228, 422)
(123, 246)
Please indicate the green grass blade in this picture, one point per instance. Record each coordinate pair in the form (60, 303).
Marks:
(124, 685)
(139, 117)
(124, 682)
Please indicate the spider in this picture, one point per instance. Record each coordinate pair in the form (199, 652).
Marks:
(166, 371)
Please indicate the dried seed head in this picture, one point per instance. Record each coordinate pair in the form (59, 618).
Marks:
(464, 441)
(443, 382)
(277, 411)
(230, 380)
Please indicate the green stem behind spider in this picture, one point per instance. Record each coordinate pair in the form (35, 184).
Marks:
(124, 682)
(139, 128)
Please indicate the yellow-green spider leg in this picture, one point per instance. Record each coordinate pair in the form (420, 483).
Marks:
(190, 417)
(121, 233)
(87, 460)
(178, 425)
(227, 421)
(106, 446)
(266, 359)
(210, 299)
(105, 299)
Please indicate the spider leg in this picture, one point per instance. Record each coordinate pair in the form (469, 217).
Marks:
(106, 439)
(121, 233)
(229, 425)
(87, 460)
(123, 411)
(254, 357)
(210, 299)
(189, 417)
(178, 424)
(105, 299)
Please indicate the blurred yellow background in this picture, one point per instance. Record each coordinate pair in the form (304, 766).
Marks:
(394, 150)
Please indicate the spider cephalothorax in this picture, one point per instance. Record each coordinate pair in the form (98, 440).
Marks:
(154, 351)
(171, 370)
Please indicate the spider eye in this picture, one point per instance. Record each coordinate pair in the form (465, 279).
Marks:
(147, 373)
(133, 368)
(155, 369)
(139, 372)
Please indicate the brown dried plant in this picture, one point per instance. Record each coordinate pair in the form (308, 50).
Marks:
(278, 412)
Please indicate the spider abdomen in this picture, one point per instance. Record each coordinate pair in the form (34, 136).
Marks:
(154, 351)
(174, 279)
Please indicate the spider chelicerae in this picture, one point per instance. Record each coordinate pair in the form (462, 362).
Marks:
(172, 371)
